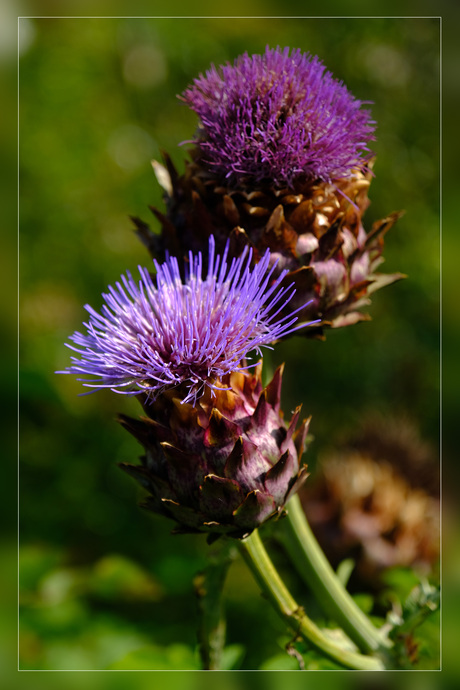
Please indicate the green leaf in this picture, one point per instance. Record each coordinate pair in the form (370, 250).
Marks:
(232, 657)
(421, 603)
(34, 562)
(280, 662)
(152, 658)
(115, 577)
(415, 633)
(364, 601)
(400, 581)
(61, 585)
(315, 662)
(345, 569)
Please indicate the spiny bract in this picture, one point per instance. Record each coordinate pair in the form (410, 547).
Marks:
(224, 466)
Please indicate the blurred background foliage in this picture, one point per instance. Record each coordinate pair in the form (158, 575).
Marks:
(104, 586)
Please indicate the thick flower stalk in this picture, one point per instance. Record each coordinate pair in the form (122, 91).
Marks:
(225, 465)
(281, 160)
(164, 332)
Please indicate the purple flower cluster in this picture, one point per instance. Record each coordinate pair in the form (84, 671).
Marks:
(279, 117)
(158, 334)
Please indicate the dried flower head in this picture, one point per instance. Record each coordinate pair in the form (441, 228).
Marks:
(279, 116)
(164, 332)
(377, 499)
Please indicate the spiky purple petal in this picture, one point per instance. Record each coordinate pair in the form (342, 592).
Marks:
(159, 333)
(278, 116)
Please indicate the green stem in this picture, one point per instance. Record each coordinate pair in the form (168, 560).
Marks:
(273, 587)
(208, 588)
(315, 569)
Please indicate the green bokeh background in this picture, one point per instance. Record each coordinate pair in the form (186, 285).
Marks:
(99, 578)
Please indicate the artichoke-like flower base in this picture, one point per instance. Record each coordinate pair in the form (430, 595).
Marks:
(314, 229)
(224, 466)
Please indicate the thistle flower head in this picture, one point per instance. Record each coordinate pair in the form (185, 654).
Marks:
(227, 464)
(164, 332)
(278, 116)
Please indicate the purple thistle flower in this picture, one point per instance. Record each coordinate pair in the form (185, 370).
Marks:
(279, 117)
(150, 337)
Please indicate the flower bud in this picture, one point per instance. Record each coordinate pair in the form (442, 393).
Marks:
(227, 464)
